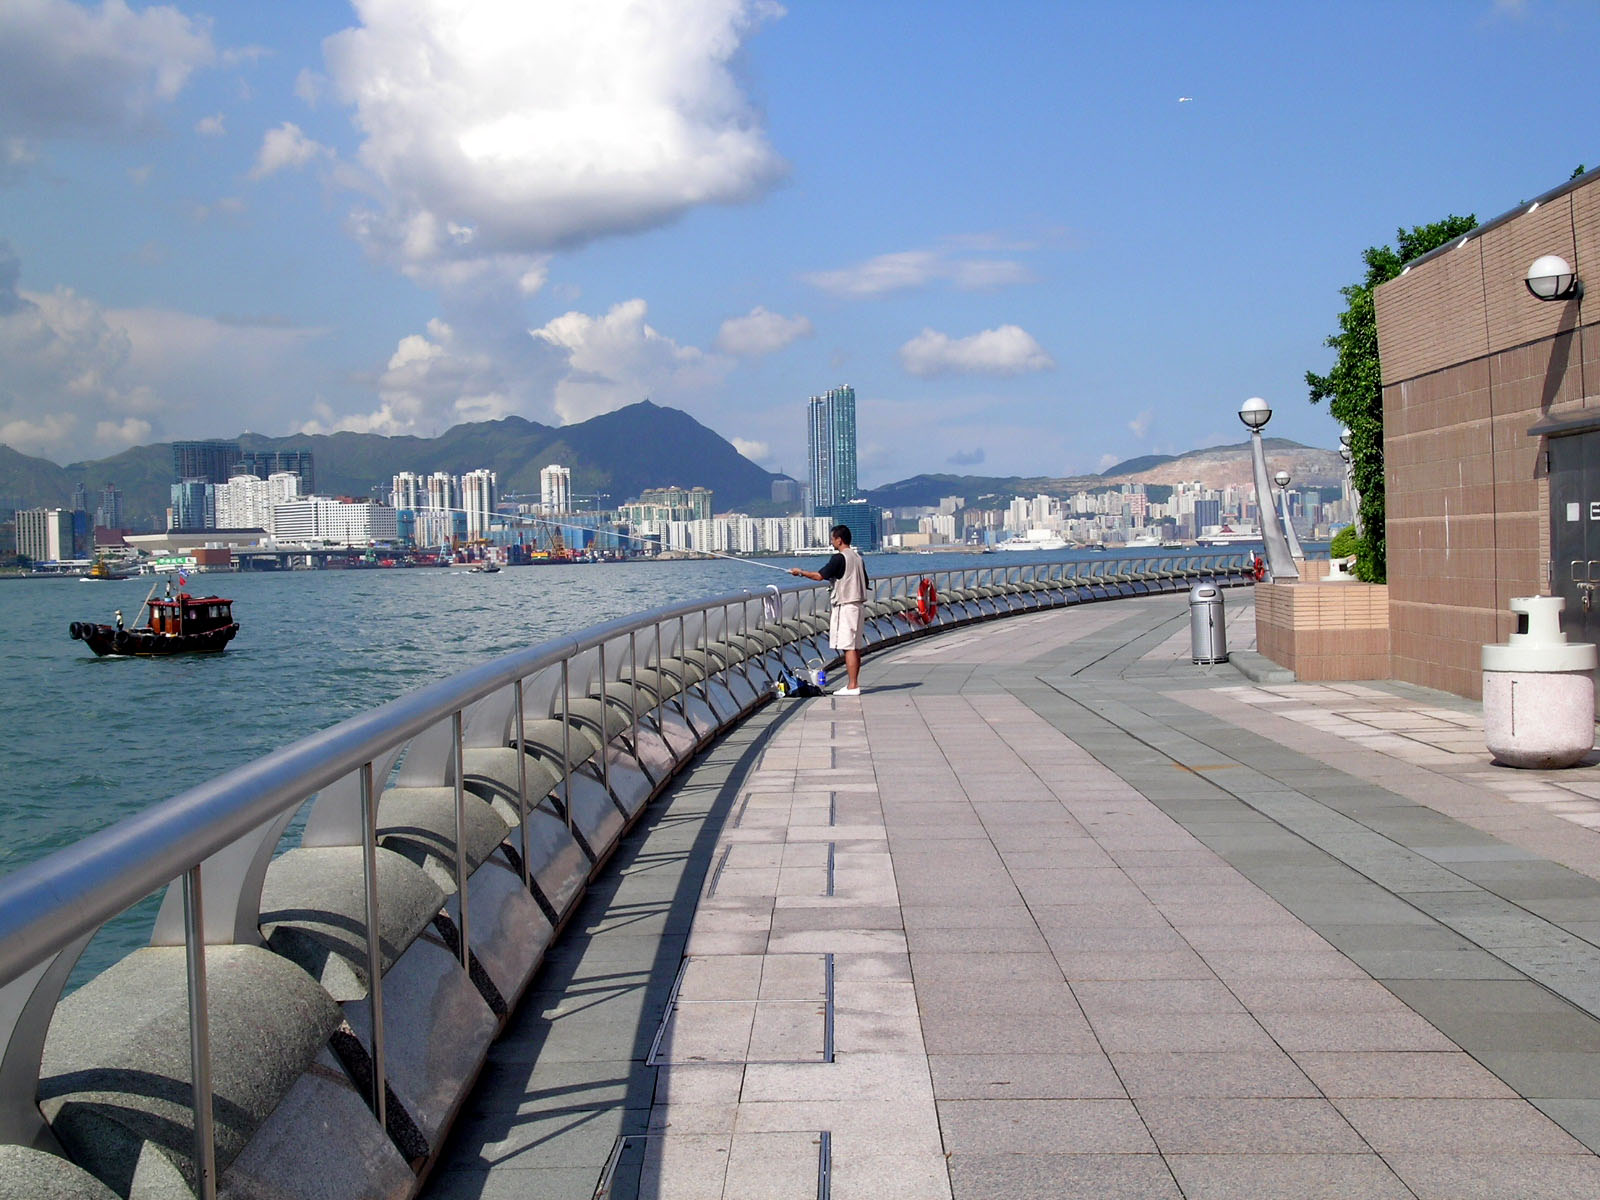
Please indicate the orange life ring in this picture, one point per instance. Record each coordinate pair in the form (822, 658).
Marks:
(1258, 567)
(927, 602)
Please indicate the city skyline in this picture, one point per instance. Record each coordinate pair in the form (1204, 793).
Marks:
(1002, 225)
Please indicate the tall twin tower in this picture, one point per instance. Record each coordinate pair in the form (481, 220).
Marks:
(831, 444)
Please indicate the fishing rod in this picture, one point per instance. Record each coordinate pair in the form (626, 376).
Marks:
(610, 533)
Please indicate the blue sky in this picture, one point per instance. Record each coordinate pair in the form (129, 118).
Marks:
(998, 222)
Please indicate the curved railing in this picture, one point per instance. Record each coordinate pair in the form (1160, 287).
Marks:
(447, 836)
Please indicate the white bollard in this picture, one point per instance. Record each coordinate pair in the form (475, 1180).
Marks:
(1538, 691)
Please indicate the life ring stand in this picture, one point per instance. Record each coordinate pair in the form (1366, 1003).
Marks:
(927, 602)
(1258, 567)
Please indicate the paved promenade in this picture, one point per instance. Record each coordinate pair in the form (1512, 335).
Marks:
(1050, 911)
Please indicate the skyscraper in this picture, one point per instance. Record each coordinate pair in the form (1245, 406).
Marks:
(555, 489)
(212, 461)
(831, 445)
(479, 495)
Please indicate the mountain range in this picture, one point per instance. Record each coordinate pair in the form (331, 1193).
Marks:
(618, 455)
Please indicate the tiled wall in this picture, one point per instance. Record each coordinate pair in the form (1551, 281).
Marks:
(1470, 361)
(1324, 631)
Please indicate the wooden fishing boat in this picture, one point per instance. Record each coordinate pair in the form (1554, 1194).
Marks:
(181, 624)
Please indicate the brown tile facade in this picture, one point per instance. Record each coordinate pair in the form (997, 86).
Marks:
(1470, 361)
(1324, 631)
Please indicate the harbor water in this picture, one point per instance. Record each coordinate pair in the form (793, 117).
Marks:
(93, 740)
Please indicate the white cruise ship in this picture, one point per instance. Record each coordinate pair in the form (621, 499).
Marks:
(1035, 539)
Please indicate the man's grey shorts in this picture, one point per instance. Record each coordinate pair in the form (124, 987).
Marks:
(844, 626)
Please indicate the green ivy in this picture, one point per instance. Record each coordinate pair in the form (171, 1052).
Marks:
(1354, 387)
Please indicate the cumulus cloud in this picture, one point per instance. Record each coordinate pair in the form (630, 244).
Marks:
(1140, 425)
(1008, 350)
(754, 451)
(286, 148)
(760, 332)
(918, 268)
(212, 126)
(966, 458)
(69, 70)
(497, 128)
(618, 359)
(82, 380)
(1105, 462)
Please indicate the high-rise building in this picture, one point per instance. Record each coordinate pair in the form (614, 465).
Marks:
(194, 505)
(407, 491)
(210, 461)
(265, 463)
(443, 491)
(831, 446)
(44, 534)
(479, 495)
(555, 489)
(109, 514)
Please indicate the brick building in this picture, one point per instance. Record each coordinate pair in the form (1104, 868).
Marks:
(1491, 409)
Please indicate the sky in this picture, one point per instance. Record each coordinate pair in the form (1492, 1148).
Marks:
(1036, 238)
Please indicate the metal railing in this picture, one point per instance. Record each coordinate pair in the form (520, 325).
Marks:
(696, 667)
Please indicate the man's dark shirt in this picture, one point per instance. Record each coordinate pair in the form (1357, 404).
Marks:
(834, 569)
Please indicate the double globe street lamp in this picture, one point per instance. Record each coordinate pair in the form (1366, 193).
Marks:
(1281, 478)
(1255, 413)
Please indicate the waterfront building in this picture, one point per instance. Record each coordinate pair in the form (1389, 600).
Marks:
(555, 490)
(864, 520)
(478, 490)
(443, 491)
(407, 491)
(44, 534)
(211, 461)
(194, 506)
(341, 522)
(831, 447)
(263, 464)
(668, 504)
(109, 513)
(786, 491)
(246, 502)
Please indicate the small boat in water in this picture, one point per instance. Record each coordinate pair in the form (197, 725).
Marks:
(102, 570)
(181, 624)
(484, 568)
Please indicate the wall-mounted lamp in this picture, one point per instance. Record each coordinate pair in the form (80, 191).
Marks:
(1552, 278)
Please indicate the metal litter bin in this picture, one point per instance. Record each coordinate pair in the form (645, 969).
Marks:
(1208, 635)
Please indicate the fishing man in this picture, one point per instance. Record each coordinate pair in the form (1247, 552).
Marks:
(847, 575)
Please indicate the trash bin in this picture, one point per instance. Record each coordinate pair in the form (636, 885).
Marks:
(1538, 690)
(1208, 635)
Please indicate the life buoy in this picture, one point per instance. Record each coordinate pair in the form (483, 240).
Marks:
(1258, 567)
(927, 602)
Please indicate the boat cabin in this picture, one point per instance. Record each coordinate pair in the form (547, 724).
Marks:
(184, 613)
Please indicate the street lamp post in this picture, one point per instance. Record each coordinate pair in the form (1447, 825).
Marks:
(1281, 478)
(1255, 413)
(1350, 476)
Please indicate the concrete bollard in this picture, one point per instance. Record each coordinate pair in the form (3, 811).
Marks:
(1538, 690)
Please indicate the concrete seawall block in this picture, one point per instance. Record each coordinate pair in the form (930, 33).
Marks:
(314, 912)
(556, 863)
(420, 824)
(437, 1030)
(116, 1085)
(594, 815)
(39, 1176)
(321, 1142)
(508, 932)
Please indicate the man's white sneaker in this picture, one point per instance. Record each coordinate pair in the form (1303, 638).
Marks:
(855, 691)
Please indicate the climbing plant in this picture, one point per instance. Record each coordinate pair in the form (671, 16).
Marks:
(1353, 387)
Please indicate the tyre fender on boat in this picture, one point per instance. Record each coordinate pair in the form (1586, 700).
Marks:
(121, 640)
(76, 630)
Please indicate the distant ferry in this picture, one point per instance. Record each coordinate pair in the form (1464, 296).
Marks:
(1035, 539)
(1229, 536)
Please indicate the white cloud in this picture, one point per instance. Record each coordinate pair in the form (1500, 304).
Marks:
(73, 70)
(540, 126)
(308, 86)
(1008, 350)
(286, 147)
(1140, 425)
(212, 126)
(82, 380)
(756, 452)
(918, 268)
(618, 359)
(1105, 462)
(760, 332)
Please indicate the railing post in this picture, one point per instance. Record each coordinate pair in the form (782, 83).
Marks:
(633, 693)
(194, 946)
(369, 879)
(566, 740)
(461, 839)
(522, 782)
(605, 724)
